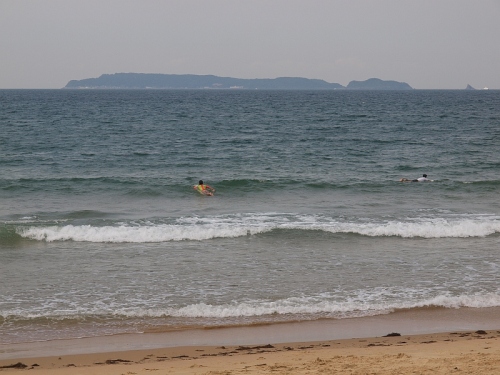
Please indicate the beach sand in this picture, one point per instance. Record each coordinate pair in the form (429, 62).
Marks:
(471, 352)
(469, 343)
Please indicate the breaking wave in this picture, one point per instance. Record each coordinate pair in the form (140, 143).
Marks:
(199, 229)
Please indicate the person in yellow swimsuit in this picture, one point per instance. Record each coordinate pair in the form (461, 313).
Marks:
(204, 189)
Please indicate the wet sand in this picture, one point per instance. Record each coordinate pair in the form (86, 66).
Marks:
(468, 343)
(472, 352)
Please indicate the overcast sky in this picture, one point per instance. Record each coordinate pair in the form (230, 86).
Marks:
(430, 44)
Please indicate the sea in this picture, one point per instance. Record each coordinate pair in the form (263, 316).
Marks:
(102, 233)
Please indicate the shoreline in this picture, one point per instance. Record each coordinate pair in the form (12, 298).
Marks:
(448, 330)
(468, 352)
(407, 322)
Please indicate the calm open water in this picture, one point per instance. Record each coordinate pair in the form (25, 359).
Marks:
(102, 233)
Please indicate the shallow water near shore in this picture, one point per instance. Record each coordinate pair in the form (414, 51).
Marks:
(404, 323)
(101, 232)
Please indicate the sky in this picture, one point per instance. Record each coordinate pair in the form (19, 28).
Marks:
(429, 44)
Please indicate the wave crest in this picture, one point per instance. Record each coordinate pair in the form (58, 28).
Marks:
(299, 308)
(199, 229)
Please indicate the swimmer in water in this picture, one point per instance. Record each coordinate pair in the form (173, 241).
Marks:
(420, 179)
(204, 189)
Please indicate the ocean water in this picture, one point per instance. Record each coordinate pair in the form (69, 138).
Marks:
(101, 232)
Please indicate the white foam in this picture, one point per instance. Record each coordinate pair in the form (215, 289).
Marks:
(198, 229)
(314, 307)
(124, 233)
(298, 306)
(434, 228)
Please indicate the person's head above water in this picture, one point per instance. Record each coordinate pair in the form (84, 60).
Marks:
(424, 175)
(200, 182)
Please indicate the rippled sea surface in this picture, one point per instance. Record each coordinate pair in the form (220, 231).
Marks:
(101, 231)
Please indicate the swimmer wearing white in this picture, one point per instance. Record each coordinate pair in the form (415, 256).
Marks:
(420, 179)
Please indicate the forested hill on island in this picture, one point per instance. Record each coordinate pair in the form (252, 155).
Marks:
(191, 81)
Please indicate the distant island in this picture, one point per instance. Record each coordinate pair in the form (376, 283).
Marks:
(378, 84)
(191, 81)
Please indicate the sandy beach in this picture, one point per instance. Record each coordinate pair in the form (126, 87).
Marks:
(428, 341)
(466, 352)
